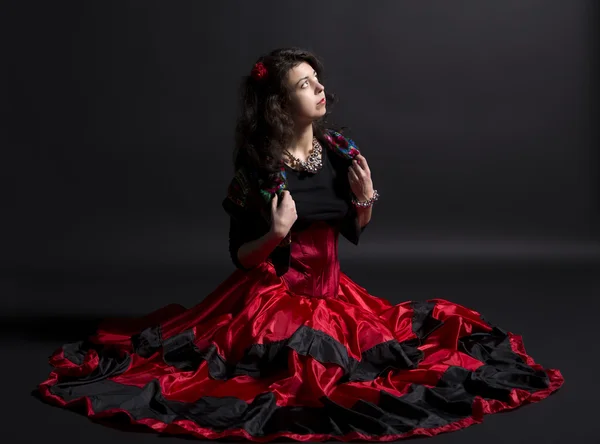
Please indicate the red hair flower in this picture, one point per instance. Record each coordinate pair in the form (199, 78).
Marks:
(259, 71)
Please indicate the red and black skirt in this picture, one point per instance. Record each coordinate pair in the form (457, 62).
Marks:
(256, 361)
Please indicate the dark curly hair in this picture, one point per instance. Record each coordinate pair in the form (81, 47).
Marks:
(265, 126)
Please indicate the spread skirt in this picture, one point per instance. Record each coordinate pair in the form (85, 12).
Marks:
(255, 361)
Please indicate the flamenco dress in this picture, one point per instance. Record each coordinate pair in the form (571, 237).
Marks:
(309, 355)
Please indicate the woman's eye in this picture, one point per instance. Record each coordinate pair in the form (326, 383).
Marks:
(306, 82)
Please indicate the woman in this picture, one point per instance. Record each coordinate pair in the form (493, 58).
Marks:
(288, 346)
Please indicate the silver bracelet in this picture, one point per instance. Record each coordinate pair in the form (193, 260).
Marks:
(368, 202)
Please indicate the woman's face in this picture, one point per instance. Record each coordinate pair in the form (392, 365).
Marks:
(307, 93)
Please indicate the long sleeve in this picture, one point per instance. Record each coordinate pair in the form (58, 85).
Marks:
(350, 227)
(235, 204)
(237, 238)
(239, 233)
(246, 224)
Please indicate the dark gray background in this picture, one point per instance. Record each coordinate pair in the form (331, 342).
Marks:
(478, 120)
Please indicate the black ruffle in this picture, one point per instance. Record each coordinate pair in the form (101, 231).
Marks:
(111, 362)
(420, 407)
(261, 360)
(423, 322)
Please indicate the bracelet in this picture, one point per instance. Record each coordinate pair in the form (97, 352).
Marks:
(368, 202)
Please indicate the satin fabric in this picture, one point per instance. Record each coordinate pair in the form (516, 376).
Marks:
(312, 340)
(314, 270)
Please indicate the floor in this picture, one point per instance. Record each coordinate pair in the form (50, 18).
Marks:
(552, 305)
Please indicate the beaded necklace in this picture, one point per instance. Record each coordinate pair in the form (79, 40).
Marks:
(313, 162)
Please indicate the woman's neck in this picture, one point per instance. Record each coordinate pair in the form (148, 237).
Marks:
(302, 142)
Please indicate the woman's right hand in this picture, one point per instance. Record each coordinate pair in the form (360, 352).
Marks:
(283, 215)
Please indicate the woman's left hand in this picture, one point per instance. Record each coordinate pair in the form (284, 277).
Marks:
(359, 176)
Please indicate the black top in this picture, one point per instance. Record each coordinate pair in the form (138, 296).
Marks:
(318, 197)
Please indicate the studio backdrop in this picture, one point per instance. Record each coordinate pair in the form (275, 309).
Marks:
(477, 120)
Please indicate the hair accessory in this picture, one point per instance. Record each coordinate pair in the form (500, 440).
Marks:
(259, 71)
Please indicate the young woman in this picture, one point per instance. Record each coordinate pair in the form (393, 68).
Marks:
(288, 346)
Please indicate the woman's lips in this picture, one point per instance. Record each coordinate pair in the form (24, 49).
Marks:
(322, 101)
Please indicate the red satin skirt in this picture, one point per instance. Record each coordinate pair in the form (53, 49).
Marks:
(256, 360)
